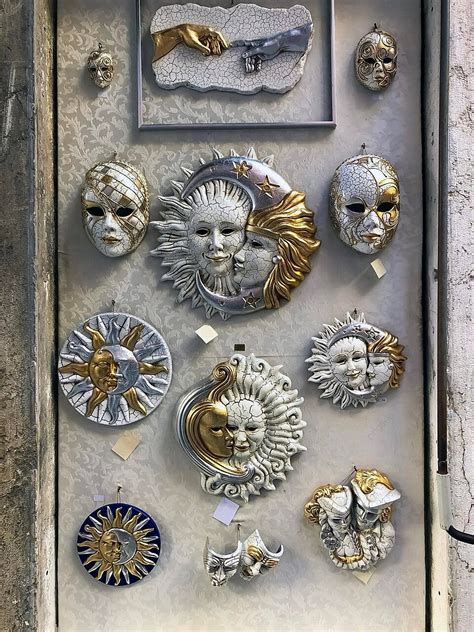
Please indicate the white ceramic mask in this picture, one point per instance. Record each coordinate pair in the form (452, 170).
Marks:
(101, 67)
(115, 208)
(376, 60)
(219, 567)
(257, 559)
(365, 202)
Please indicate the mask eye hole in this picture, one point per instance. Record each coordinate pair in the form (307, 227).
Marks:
(387, 60)
(385, 207)
(256, 244)
(124, 211)
(96, 211)
(356, 207)
(216, 430)
(202, 232)
(369, 60)
(227, 231)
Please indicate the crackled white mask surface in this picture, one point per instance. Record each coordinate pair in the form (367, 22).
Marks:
(235, 237)
(355, 520)
(241, 427)
(354, 362)
(364, 202)
(115, 207)
(221, 567)
(376, 60)
(257, 559)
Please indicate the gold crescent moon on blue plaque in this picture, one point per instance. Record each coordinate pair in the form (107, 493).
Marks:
(119, 544)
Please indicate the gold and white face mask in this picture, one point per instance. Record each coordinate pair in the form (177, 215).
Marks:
(101, 67)
(257, 559)
(364, 203)
(115, 207)
(376, 60)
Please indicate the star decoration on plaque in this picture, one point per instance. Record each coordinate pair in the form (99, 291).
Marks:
(242, 169)
(251, 301)
(267, 186)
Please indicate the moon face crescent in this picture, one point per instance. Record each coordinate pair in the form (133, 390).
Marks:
(264, 185)
(250, 300)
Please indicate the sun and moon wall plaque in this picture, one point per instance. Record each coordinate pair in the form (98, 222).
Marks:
(119, 544)
(235, 237)
(115, 369)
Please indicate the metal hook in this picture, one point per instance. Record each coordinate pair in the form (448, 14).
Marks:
(238, 532)
(113, 306)
(364, 148)
(119, 487)
(376, 28)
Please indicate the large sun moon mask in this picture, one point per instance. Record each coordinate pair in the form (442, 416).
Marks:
(115, 369)
(119, 544)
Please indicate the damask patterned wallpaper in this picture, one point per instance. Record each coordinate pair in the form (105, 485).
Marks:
(306, 592)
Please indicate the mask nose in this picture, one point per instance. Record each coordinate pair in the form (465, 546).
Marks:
(372, 221)
(379, 70)
(220, 577)
(216, 244)
(254, 570)
(109, 223)
(241, 438)
(239, 257)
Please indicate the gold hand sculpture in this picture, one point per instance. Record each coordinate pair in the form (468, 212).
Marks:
(202, 38)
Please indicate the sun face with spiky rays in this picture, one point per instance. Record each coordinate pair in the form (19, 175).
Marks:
(116, 369)
(119, 544)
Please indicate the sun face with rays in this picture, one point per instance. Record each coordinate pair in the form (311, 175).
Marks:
(119, 544)
(116, 370)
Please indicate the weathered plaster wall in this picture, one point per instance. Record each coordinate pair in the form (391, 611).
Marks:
(27, 264)
(460, 309)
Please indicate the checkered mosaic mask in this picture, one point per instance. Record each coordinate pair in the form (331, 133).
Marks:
(115, 207)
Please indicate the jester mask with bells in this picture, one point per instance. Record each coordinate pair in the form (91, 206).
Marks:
(355, 519)
(115, 207)
(354, 362)
(364, 203)
(115, 369)
(101, 67)
(376, 60)
(234, 236)
(241, 426)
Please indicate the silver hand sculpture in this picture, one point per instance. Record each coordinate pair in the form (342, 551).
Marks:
(259, 50)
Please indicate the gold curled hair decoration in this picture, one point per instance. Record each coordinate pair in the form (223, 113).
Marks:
(291, 224)
(388, 343)
(368, 479)
(311, 509)
(224, 375)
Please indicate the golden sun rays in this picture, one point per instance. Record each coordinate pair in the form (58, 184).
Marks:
(120, 542)
(115, 362)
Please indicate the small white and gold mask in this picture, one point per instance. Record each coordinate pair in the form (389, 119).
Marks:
(257, 559)
(101, 67)
(115, 207)
(376, 60)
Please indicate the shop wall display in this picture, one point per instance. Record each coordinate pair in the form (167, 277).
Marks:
(306, 590)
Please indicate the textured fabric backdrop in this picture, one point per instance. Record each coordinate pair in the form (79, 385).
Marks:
(306, 592)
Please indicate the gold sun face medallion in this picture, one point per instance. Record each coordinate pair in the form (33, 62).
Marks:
(115, 369)
(119, 544)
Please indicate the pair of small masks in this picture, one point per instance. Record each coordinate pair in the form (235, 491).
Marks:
(354, 362)
(355, 519)
(101, 67)
(376, 60)
(119, 544)
(252, 559)
(364, 203)
(235, 237)
(115, 207)
(115, 369)
(241, 426)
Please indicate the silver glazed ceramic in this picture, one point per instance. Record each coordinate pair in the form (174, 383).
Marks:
(267, 48)
(221, 567)
(115, 369)
(354, 362)
(257, 559)
(234, 236)
(241, 427)
(101, 67)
